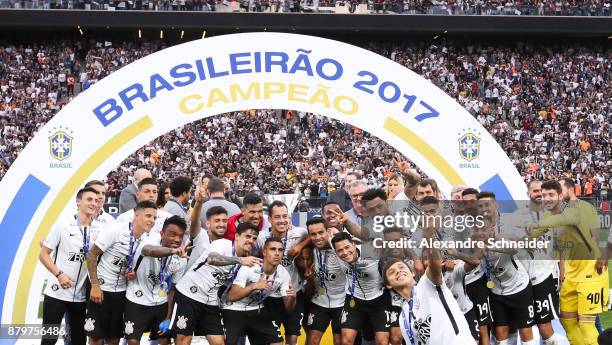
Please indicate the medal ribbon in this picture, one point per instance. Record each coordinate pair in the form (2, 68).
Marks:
(408, 318)
(164, 277)
(133, 247)
(85, 235)
(323, 266)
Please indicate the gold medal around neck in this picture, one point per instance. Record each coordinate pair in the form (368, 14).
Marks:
(162, 293)
(352, 303)
(490, 284)
(322, 291)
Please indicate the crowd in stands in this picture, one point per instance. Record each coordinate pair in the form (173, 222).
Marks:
(548, 106)
(450, 7)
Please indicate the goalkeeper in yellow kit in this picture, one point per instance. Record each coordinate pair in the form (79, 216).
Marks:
(584, 290)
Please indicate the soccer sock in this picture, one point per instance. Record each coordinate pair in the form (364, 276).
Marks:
(589, 331)
(574, 334)
(530, 342)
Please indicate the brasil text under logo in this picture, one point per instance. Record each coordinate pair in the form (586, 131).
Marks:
(60, 144)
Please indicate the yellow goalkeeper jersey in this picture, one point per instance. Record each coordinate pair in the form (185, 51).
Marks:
(574, 240)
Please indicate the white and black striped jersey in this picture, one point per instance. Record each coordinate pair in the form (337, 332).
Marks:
(144, 289)
(294, 236)
(330, 279)
(508, 275)
(202, 281)
(248, 275)
(114, 241)
(363, 281)
(538, 263)
(455, 281)
(435, 317)
(200, 245)
(66, 240)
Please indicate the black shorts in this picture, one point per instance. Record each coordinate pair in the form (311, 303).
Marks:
(138, 319)
(106, 320)
(546, 301)
(514, 310)
(290, 319)
(318, 318)
(472, 321)
(374, 314)
(479, 294)
(191, 317)
(260, 326)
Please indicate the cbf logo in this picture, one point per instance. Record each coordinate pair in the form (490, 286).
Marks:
(60, 146)
(469, 147)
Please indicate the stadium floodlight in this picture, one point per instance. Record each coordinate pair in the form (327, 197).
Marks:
(161, 34)
(204, 34)
(80, 30)
(182, 33)
(139, 33)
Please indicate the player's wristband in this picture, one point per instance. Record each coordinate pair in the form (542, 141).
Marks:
(59, 274)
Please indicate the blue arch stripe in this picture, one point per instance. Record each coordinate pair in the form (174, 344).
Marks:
(496, 185)
(14, 224)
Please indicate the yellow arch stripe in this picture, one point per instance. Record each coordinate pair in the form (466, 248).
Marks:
(57, 205)
(434, 158)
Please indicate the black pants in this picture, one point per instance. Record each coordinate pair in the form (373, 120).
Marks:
(53, 313)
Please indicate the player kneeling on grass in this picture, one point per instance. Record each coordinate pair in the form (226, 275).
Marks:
(159, 265)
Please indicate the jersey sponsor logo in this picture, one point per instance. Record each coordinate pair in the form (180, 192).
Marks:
(286, 261)
(89, 324)
(129, 328)
(327, 276)
(360, 274)
(76, 256)
(310, 319)
(181, 322)
(153, 277)
(101, 280)
(119, 261)
(54, 287)
(193, 289)
(138, 293)
(422, 329)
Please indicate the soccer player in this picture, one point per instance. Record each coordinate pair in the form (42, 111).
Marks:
(293, 239)
(101, 216)
(180, 187)
(542, 269)
(160, 263)
(215, 226)
(110, 263)
(584, 291)
(366, 302)
(253, 286)
(69, 241)
(430, 315)
(147, 191)
(196, 301)
(511, 292)
(251, 212)
(329, 281)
